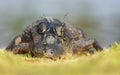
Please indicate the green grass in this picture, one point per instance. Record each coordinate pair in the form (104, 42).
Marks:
(100, 63)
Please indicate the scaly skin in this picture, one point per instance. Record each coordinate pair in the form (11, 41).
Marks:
(49, 37)
(35, 36)
(78, 42)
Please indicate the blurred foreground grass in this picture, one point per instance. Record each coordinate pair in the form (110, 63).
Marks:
(101, 63)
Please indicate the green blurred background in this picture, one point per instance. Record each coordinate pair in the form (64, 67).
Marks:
(99, 19)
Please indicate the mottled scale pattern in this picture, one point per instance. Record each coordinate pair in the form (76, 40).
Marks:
(49, 37)
(21, 48)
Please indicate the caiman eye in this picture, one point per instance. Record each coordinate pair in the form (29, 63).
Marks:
(60, 30)
(42, 28)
